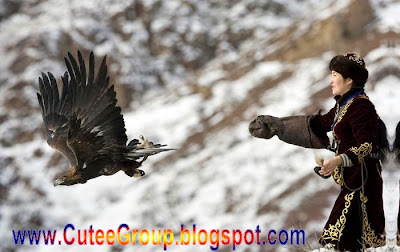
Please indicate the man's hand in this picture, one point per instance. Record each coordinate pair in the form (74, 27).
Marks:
(265, 126)
(329, 165)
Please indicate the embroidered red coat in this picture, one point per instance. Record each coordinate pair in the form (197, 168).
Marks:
(357, 218)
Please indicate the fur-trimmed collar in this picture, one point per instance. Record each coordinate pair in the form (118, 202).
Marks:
(339, 99)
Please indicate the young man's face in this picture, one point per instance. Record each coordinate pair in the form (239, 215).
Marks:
(339, 85)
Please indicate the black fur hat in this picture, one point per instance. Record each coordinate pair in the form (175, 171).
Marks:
(350, 65)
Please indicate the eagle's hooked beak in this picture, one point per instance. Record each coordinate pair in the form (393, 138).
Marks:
(138, 173)
(58, 181)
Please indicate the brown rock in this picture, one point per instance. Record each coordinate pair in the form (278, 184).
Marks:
(332, 33)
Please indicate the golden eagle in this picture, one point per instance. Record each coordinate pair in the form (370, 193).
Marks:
(84, 123)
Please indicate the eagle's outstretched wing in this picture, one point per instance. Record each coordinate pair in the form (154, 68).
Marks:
(84, 123)
(56, 111)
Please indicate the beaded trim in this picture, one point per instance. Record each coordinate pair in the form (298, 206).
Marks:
(335, 232)
(369, 236)
(355, 57)
(362, 151)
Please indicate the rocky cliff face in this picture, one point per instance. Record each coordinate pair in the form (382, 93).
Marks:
(191, 74)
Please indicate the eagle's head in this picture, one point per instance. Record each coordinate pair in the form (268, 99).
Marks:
(138, 173)
(60, 181)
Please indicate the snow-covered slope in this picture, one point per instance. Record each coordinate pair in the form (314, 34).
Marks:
(191, 74)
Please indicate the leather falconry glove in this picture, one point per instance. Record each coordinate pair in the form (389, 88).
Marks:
(292, 129)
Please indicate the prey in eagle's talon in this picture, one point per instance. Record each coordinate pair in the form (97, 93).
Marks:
(145, 147)
(145, 143)
(84, 123)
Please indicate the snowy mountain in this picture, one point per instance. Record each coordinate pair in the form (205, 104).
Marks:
(191, 74)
